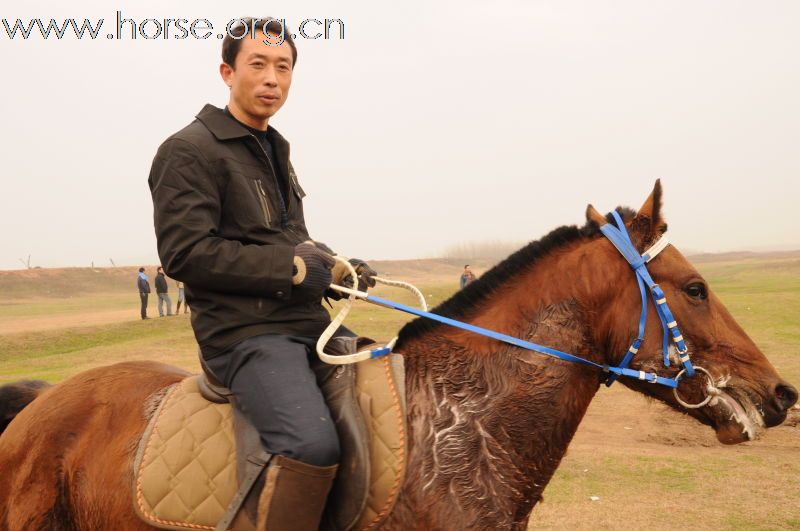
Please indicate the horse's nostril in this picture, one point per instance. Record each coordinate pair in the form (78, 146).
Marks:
(786, 395)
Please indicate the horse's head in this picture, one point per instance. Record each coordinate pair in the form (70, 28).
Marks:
(746, 391)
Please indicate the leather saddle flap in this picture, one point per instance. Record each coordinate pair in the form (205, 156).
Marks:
(368, 408)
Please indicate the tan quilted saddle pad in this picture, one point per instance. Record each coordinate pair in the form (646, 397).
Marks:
(185, 469)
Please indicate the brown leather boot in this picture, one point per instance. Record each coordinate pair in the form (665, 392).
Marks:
(294, 495)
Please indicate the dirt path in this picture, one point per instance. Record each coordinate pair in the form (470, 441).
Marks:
(12, 325)
(630, 450)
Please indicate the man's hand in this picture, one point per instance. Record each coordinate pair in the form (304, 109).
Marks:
(312, 271)
(341, 274)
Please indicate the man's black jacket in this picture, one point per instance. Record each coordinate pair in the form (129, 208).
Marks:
(161, 283)
(217, 206)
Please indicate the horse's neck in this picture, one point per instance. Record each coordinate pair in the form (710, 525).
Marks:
(488, 428)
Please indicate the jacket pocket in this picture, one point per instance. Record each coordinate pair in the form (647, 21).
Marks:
(295, 184)
(263, 201)
(246, 209)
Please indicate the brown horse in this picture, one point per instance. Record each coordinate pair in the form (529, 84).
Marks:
(488, 423)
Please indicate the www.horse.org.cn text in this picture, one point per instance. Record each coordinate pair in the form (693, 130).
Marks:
(122, 28)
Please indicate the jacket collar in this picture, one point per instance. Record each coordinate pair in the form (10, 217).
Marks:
(220, 124)
(225, 127)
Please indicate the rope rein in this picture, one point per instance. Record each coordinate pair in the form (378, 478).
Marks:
(331, 329)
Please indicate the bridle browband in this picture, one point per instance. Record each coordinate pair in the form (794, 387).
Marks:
(621, 240)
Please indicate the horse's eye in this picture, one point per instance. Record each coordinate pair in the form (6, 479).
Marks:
(696, 290)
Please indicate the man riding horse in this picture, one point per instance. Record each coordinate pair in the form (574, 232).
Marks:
(229, 223)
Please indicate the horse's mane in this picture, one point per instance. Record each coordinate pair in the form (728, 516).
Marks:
(459, 305)
(15, 396)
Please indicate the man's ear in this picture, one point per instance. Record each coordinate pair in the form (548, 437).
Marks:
(226, 71)
(649, 225)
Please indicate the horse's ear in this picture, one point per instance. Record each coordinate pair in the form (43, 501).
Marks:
(593, 216)
(648, 221)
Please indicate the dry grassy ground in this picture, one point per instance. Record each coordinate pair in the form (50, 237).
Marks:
(648, 466)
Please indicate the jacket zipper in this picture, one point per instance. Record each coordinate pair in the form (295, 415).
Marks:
(262, 198)
(284, 225)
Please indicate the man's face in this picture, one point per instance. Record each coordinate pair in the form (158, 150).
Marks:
(260, 80)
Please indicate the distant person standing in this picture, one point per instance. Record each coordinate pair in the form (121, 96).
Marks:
(181, 298)
(467, 277)
(144, 290)
(161, 291)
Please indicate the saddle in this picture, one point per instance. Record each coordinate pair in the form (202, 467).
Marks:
(199, 461)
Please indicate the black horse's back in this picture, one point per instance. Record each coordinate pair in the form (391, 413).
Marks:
(15, 396)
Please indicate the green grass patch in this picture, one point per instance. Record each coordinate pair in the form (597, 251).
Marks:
(50, 354)
(42, 344)
(580, 479)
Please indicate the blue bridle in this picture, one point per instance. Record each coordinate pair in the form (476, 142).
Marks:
(621, 240)
(619, 237)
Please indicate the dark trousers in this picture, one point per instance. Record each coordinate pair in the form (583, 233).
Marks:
(274, 379)
(143, 296)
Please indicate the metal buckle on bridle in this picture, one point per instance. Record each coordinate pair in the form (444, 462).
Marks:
(711, 391)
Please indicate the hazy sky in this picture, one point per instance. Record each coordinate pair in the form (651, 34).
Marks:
(426, 125)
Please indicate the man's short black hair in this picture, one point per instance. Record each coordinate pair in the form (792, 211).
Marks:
(141, 270)
(243, 27)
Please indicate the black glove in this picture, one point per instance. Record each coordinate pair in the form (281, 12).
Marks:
(323, 247)
(364, 272)
(312, 272)
(342, 277)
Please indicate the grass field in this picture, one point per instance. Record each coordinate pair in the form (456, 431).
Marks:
(647, 466)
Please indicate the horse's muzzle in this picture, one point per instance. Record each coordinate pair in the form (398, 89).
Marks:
(784, 396)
